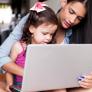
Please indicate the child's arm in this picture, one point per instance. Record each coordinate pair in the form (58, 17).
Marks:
(16, 49)
(12, 67)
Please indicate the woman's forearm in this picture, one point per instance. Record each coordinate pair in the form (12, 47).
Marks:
(13, 68)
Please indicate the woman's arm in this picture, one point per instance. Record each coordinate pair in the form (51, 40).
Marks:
(13, 68)
(5, 60)
(6, 46)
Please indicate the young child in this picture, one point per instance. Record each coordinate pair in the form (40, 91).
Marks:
(40, 28)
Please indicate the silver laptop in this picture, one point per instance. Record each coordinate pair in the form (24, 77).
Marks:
(50, 67)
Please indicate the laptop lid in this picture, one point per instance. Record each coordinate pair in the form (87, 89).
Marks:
(50, 67)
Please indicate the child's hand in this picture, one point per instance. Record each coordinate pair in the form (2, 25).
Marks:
(86, 81)
(8, 87)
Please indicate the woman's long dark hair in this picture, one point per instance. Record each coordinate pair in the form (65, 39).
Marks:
(42, 0)
(35, 19)
(88, 27)
(82, 32)
(78, 32)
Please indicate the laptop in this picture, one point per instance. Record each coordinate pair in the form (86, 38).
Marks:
(55, 66)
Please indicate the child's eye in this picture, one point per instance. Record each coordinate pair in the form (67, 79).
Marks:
(52, 34)
(44, 33)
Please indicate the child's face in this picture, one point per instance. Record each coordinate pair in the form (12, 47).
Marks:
(43, 33)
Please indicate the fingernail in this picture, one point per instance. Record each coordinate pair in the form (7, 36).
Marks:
(80, 78)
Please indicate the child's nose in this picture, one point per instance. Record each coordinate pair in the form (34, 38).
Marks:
(48, 37)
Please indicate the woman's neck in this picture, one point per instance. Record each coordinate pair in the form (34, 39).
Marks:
(59, 36)
(60, 33)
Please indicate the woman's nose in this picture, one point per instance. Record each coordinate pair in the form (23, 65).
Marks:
(73, 19)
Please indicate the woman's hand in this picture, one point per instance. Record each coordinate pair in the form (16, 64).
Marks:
(86, 81)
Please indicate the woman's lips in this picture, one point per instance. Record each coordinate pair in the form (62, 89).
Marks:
(66, 23)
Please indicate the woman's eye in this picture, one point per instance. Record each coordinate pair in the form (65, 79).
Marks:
(79, 18)
(71, 11)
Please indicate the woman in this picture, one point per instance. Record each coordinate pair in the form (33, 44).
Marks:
(70, 17)
(63, 35)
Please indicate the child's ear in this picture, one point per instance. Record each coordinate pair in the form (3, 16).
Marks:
(32, 29)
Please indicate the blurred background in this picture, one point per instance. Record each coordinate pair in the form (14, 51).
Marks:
(11, 12)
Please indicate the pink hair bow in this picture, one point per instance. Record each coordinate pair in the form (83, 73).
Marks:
(39, 7)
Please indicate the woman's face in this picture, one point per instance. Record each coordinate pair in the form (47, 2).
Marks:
(72, 14)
